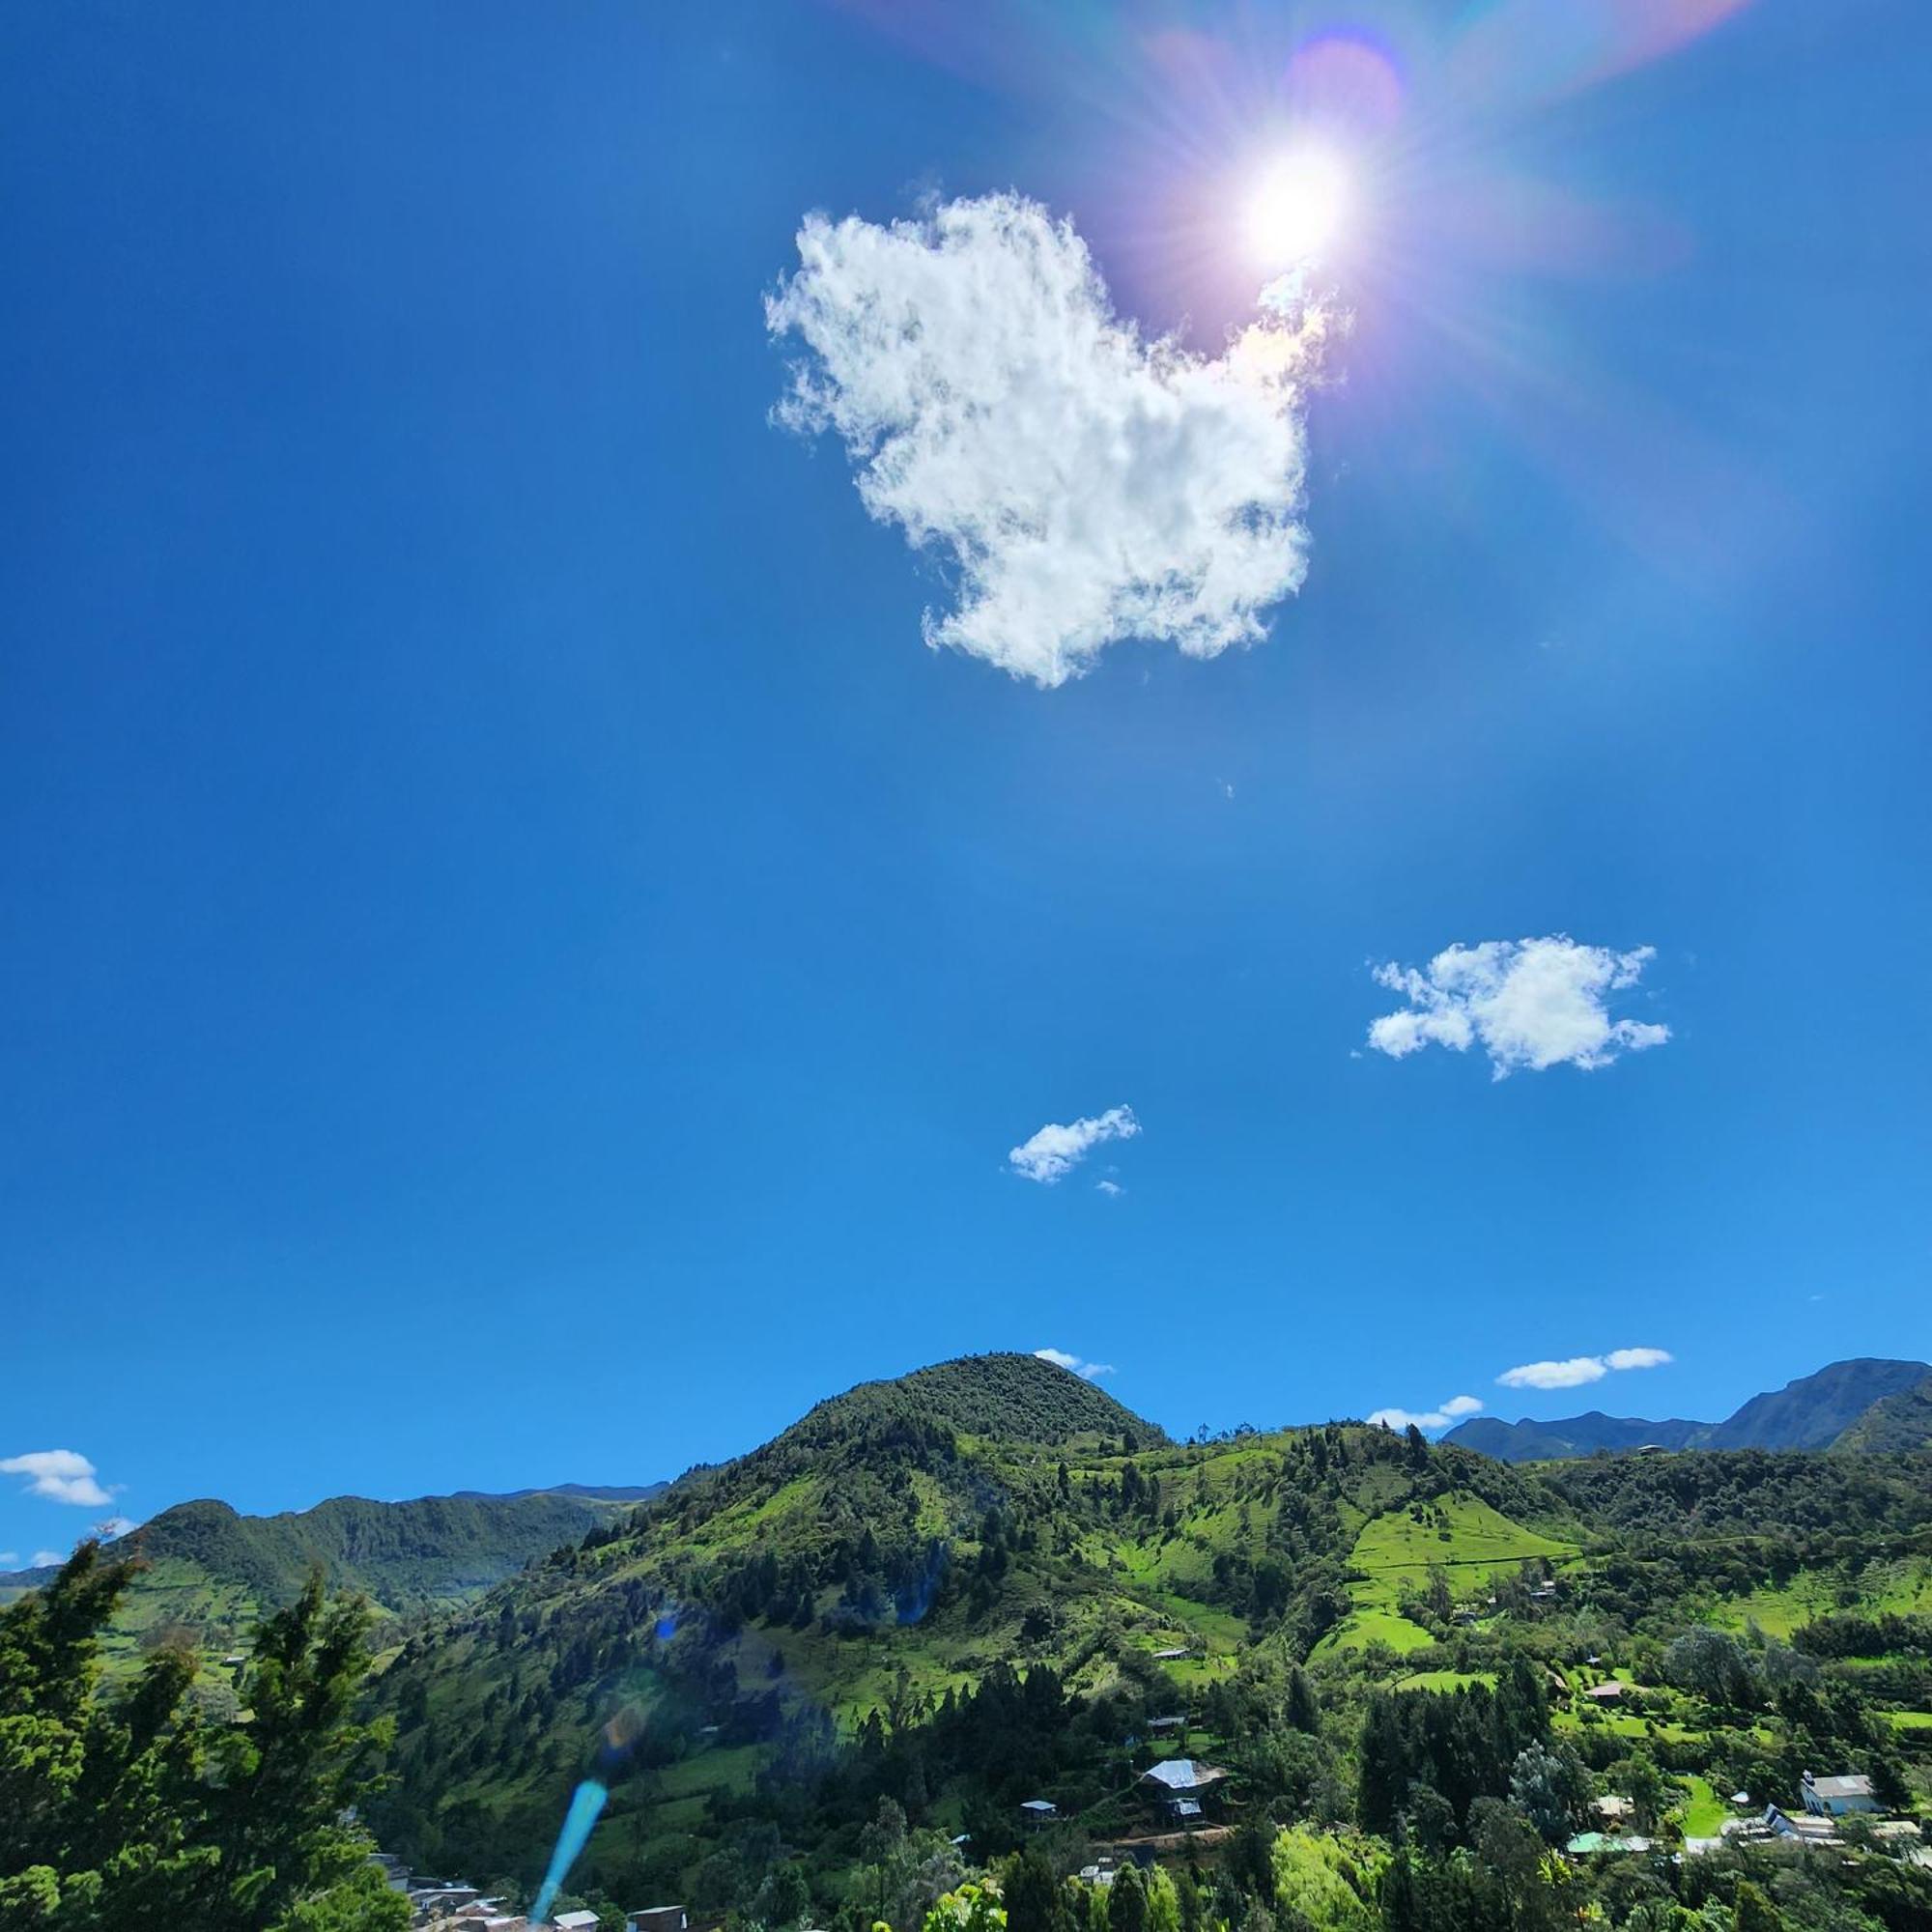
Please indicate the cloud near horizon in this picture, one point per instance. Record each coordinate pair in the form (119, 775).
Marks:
(1534, 1003)
(1088, 1372)
(60, 1475)
(1452, 1410)
(1577, 1370)
(1055, 1151)
(1083, 484)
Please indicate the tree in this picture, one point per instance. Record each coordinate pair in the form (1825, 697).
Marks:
(1127, 1902)
(1753, 1911)
(1304, 1714)
(1035, 1899)
(128, 1809)
(1551, 1788)
(1327, 1878)
(1650, 1792)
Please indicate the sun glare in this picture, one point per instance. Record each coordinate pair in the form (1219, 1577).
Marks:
(1296, 208)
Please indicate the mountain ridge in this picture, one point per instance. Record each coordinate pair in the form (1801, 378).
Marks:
(1810, 1411)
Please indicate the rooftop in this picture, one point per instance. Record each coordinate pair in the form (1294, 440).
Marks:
(1853, 1785)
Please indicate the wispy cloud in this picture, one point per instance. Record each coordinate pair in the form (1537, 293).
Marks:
(1088, 1372)
(1428, 1419)
(9, 1559)
(1530, 1003)
(1055, 1151)
(47, 1560)
(1112, 1189)
(58, 1475)
(1574, 1371)
(1086, 484)
(114, 1526)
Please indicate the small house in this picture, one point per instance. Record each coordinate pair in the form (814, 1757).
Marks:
(1613, 1809)
(1608, 1692)
(1836, 1797)
(1179, 1783)
(1040, 1810)
(1176, 1722)
(656, 1918)
(576, 1921)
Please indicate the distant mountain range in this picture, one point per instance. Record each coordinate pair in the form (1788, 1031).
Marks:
(596, 1492)
(212, 1571)
(1865, 1404)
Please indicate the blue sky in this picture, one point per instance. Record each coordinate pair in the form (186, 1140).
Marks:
(521, 964)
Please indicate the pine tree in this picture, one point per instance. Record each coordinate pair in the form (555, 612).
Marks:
(122, 1810)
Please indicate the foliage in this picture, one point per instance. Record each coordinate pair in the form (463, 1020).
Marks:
(130, 1809)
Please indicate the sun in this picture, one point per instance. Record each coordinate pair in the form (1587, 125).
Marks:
(1296, 208)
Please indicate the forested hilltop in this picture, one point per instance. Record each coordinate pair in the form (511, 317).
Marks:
(207, 1575)
(824, 1680)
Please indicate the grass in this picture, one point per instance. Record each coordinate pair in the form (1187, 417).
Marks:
(1892, 1589)
(1374, 1626)
(1460, 1534)
(1909, 1721)
(1705, 1813)
(1620, 1725)
(1446, 1680)
(729, 1768)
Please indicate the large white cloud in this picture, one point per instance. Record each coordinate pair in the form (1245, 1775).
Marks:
(1084, 483)
(59, 1474)
(1055, 1151)
(1574, 1371)
(1533, 1003)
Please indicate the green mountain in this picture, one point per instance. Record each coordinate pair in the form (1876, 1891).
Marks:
(1899, 1422)
(1812, 1412)
(212, 1572)
(985, 1584)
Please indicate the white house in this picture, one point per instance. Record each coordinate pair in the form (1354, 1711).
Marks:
(1835, 1797)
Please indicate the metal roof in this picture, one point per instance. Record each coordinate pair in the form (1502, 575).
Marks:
(1855, 1784)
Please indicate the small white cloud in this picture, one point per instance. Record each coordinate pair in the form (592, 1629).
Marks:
(1055, 1151)
(1088, 1372)
(1428, 1419)
(58, 1475)
(115, 1526)
(1571, 1374)
(47, 1560)
(1534, 1003)
(1576, 1370)
(9, 1559)
(1637, 1358)
(1111, 1189)
(1087, 485)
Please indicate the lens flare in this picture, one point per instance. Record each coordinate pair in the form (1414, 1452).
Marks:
(587, 1805)
(1296, 208)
